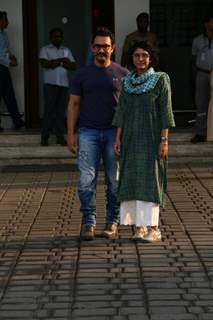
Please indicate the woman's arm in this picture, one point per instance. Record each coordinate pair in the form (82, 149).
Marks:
(163, 147)
(117, 144)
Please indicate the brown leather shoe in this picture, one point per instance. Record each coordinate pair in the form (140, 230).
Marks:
(110, 231)
(88, 232)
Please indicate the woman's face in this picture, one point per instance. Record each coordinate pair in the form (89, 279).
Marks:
(141, 60)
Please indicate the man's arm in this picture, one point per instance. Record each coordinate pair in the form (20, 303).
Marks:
(50, 64)
(72, 118)
(60, 62)
(68, 64)
(13, 60)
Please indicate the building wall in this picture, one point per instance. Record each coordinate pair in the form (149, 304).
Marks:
(15, 33)
(126, 12)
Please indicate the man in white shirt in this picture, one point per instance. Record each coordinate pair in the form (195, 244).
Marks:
(56, 60)
(202, 53)
(7, 60)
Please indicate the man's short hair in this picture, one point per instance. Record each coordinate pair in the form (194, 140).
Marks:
(52, 31)
(142, 15)
(208, 17)
(103, 32)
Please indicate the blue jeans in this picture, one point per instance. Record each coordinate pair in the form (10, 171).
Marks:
(94, 144)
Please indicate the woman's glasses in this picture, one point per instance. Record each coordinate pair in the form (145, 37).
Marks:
(141, 55)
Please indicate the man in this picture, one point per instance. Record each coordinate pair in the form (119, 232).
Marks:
(202, 53)
(95, 92)
(55, 60)
(6, 86)
(140, 34)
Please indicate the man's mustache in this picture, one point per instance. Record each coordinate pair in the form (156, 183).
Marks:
(101, 54)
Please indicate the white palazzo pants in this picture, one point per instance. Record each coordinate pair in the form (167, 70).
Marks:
(139, 213)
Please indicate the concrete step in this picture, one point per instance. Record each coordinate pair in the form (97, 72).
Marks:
(10, 138)
(23, 137)
(24, 148)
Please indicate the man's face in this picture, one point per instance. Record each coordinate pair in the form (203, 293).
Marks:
(102, 49)
(57, 39)
(4, 22)
(142, 24)
(209, 26)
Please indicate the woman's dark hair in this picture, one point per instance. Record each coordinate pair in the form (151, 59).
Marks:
(147, 46)
(103, 32)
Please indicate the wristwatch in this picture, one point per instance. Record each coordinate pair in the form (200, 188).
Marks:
(164, 139)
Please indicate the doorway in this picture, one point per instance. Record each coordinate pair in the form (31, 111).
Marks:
(74, 18)
(103, 14)
(77, 18)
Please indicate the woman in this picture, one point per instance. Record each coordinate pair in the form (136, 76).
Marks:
(143, 119)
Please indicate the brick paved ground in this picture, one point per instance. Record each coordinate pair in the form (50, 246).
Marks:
(46, 272)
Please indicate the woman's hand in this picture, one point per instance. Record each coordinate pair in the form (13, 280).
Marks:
(117, 146)
(163, 150)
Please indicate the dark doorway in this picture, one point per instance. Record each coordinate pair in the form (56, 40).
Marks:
(77, 18)
(176, 23)
(30, 63)
(103, 14)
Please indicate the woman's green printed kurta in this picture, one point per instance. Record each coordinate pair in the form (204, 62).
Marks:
(142, 117)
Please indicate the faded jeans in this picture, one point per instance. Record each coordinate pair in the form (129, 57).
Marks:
(94, 144)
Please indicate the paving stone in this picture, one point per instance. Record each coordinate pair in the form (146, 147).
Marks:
(94, 312)
(90, 318)
(132, 310)
(138, 317)
(184, 316)
(196, 310)
(206, 316)
(48, 273)
(16, 314)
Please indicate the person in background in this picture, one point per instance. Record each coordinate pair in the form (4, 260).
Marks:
(93, 100)
(202, 53)
(143, 118)
(140, 34)
(210, 111)
(7, 59)
(1, 128)
(56, 60)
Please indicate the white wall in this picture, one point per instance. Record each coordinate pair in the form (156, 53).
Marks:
(126, 12)
(15, 33)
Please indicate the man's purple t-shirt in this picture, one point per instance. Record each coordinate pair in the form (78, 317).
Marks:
(99, 89)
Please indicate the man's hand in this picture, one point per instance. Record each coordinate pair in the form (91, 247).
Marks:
(13, 61)
(72, 142)
(66, 63)
(56, 63)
